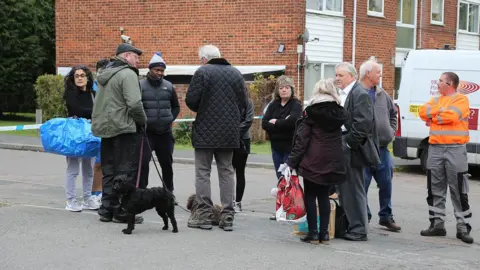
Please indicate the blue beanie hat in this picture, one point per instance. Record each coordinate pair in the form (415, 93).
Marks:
(157, 61)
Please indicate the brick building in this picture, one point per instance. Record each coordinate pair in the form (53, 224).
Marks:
(387, 30)
(249, 34)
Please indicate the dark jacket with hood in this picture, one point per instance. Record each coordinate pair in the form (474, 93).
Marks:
(281, 133)
(160, 102)
(118, 107)
(317, 150)
(217, 93)
(79, 103)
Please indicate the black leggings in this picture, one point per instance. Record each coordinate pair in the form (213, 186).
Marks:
(239, 161)
(314, 192)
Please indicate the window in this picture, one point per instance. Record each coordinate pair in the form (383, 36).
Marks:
(398, 78)
(314, 73)
(335, 6)
(375, 8)
(468, 21)
(437, 11)
(406, 24)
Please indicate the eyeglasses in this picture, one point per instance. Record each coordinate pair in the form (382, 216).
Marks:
(83, 76)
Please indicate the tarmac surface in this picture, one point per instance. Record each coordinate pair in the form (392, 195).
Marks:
(37, 233)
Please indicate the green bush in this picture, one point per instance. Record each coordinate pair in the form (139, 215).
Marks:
(49, 90)
(182, 132)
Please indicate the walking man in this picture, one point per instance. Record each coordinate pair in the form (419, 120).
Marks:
(447, 164)
(117, 118)
(217, 93)
(358, 129)
(161, 106)
(386, 126)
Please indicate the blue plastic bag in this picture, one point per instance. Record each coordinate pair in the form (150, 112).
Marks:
(69, 137)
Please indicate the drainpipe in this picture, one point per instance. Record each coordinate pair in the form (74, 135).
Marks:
(354, 34)
(420, 46)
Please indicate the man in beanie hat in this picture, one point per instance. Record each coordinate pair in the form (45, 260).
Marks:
(161, 106)
(118, 118)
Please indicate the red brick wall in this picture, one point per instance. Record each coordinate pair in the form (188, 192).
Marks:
(247, 32)
(435, 36)
(375, 37)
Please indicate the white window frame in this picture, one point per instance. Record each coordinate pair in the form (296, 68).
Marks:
(412, 26)
(376, 13)
(328, 12)
(443, 13)
(468, 16)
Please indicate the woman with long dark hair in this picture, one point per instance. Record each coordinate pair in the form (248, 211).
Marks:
(79, 99)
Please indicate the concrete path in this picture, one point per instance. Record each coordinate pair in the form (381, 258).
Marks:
(37, 233)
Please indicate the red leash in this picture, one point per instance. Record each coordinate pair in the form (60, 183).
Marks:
(140, 162)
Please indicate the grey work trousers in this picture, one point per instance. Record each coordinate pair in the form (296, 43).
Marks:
(353, 197)
(448, 166)
(226, 177)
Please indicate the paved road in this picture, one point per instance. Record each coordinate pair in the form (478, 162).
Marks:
(37, 233)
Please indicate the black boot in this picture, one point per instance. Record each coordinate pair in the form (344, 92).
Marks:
(311, 237)
(324, 238)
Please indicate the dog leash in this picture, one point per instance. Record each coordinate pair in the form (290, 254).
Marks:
(154, 163)
(140, 163)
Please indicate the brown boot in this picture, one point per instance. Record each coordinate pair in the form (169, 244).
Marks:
(391, 225)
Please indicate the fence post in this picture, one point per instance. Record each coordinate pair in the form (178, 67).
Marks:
(38, 119)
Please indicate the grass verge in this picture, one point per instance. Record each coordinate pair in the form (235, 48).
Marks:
(255, 148)
(31, 133)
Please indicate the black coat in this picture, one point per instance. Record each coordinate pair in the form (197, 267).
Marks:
(161, 105)
(79, 103)
(218, 94)
(317, 151)
(281, 133)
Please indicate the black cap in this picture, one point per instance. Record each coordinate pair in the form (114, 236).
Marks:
(125, 47)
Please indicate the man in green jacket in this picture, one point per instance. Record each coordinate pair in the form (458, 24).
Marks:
(118, 118)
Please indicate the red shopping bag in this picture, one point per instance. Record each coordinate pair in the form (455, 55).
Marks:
(290, 203)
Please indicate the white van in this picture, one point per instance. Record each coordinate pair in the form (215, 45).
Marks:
(419, 83)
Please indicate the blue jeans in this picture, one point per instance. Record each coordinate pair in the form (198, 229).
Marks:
(383, 175)
(278, 159)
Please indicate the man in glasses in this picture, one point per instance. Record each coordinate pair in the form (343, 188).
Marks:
(447, 164)
(118, 118)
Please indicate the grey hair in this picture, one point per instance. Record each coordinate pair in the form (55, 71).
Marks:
(209, 52)
(348, 67)
(368, 66)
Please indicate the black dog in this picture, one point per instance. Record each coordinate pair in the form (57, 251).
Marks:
(135, 201)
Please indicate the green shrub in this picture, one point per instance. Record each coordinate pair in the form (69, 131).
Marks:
(49, 90)
(182, 132)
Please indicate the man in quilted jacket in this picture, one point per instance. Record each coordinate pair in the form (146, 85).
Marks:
(217, 93)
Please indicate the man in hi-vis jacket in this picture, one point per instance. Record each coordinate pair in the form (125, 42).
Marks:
(447, 164)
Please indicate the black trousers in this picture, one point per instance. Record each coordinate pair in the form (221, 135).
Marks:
(313, 193)
(239, 162)
(163, 145)
(120, 156)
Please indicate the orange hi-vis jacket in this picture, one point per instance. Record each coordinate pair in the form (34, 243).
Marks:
(448, 117)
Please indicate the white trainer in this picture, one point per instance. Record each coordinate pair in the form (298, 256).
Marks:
(90, 204)
(73, 206)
